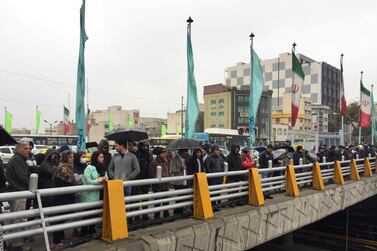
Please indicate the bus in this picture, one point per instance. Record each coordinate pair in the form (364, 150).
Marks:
(163, 141)
(220, 136)
(48, 140)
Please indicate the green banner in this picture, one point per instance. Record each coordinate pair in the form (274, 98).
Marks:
(37, 121)
(163, 129)
(111, 125)
(8, 121)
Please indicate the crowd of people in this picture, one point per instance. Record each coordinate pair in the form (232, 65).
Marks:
(62, 167)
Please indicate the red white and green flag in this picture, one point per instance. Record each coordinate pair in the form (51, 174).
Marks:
(66, 120)
(365, 106)
(298, 77)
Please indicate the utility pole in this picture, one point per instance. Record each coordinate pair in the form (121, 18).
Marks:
(182, 116)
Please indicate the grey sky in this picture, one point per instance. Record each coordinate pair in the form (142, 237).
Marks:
(138, 48)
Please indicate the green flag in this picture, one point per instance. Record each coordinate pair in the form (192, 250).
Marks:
(192, 104)
(111, 125)
(373, 117)
(256, 89)
(80, 88)
(130, 122)
(177, 131)
(8, 121)
(37, 121)
(163, 129)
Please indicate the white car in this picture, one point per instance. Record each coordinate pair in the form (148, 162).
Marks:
(6, 153)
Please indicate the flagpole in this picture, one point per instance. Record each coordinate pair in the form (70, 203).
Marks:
(372, 116)
(63, 119)
(292, 131)
(251, 123)
(361, 79)
(36, 111)
(342, 83)
(5, 117)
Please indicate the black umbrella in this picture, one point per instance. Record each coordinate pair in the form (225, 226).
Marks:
(127, 134)
(5, 138)
(91, 144)
(183, 144)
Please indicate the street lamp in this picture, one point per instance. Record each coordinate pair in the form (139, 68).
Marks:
(51, 124)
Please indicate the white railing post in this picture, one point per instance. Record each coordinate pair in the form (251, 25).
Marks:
(323, 159)
(357, 156)
(300, 161)
(343, 158)
(158, 172)
(226, 167)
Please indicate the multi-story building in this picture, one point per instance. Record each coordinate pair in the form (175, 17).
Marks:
(120, 118)
(217, 107)
(175, 119)
(229, 108)
(321, 84)
(58, 129)
(320, 117)
(152, 125)
(282, 115)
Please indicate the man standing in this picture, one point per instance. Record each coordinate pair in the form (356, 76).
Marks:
(264, 157)
(214, 163)
(104, 148)
(124, 165)
(178, 167)
(17, 175)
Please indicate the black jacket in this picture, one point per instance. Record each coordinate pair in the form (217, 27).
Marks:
(296, 157)
(17, 174)
(264, 157)
(2, 178)
(214, 164)
(234, 161)
(193, 165)
(47, 171)
(144, 158)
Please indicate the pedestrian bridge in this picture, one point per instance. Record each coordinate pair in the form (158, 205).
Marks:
(306, 193)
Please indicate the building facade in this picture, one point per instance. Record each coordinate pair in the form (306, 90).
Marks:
(229, 108)
(120, 118)
(321, 84)
(320, 117)
(175, 119)
(152, 125)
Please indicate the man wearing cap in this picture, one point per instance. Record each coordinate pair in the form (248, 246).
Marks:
(214, 163)
(161, 161)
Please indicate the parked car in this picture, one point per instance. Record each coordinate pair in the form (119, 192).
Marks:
(6, 153)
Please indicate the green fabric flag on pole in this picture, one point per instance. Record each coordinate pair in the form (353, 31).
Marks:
(80, 88)
(256, 89)
(163, 129)
(192, 106)
(8, 121)
(111, 125)
(373, 115)
(37, 121)
(130, 122)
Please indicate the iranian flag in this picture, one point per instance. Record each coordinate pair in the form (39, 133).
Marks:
(365, 106)
(66, 120)
(298, 77)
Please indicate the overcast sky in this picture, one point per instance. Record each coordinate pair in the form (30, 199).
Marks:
(136, 52)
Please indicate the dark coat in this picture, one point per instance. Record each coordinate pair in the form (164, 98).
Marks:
(47, 171)
(144, 157)
(193, 165)
(296, 157)
(17, 174)
(2, 178)
(214, 164)
(264, 157)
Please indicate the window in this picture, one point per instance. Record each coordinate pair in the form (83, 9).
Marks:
(221, 103)
(268, 76)
(240, 120)
(277, 120)
(240, 99)
(241, 109)
(213, 126)
(221, 126)
(213, 104)
(233, 74)
(213, 115)
(246, 72)
(221, 115)
(240, 81)
(5, 150)
(314, 78)
(288, 73)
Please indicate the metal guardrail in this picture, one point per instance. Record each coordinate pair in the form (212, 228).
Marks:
(55, 218)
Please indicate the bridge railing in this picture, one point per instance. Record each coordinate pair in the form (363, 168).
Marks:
(45, 220)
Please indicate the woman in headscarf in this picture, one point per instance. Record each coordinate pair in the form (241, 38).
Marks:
(94, 174)
(63, 177)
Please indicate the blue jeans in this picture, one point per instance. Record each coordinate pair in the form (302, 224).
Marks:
(127, 191)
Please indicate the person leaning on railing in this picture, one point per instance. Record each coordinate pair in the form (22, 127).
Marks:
(161, 161)
(63, 177)
(17, 175)
(94, 174)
